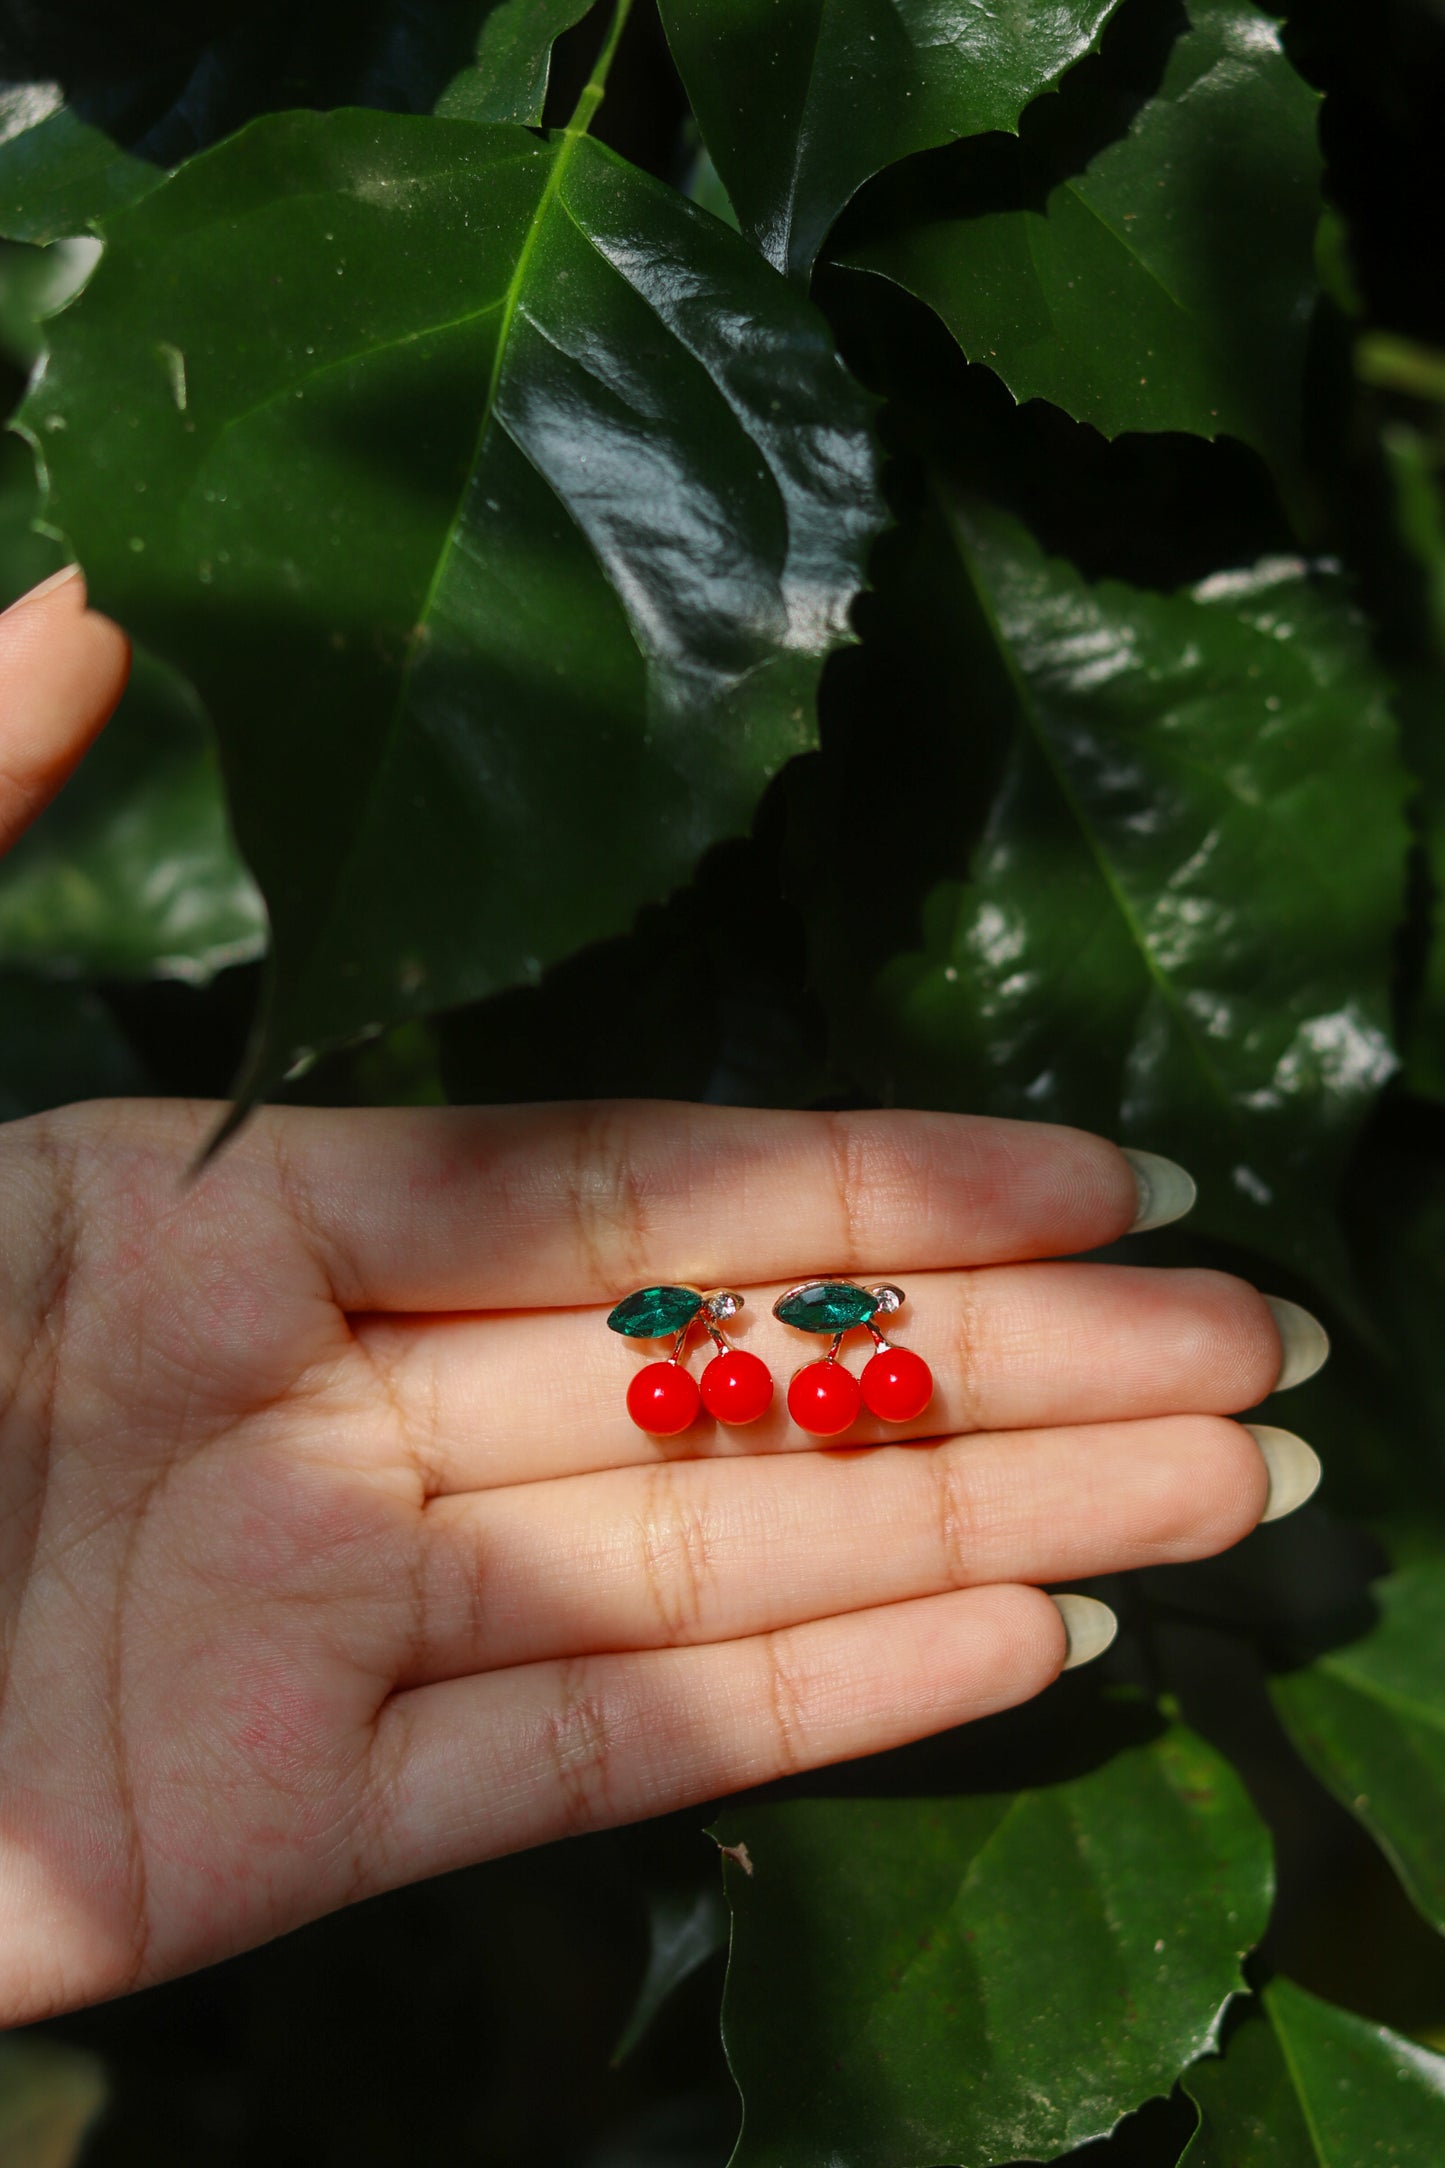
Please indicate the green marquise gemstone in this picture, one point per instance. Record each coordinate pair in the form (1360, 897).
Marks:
(828, 1306)
(655, 1313)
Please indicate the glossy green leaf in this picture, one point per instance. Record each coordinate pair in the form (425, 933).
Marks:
(1167, 285)
(1179, 923)
(34, 282)
(801, 101)
(508, 78)
(501, 506)
(704, 183)
(1302, 2084)
(1250, 2115)
(1413, 454)
(72, 155)
(131, 871)
(1370, 1720)
(827, 1306)
(984, 1978)
(50, 2095)
(654, 1313)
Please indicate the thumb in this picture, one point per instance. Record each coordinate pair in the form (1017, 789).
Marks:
(62, 670)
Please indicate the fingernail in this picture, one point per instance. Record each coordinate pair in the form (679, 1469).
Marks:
(46, 587)
(1166, 1192)
(1090, 1626)
(1304, 1343)
(1294, 1469)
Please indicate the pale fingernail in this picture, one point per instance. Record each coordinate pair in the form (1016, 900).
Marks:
(1294, 1469)
(1166, 1192)
(1090, 1626)
(1304, 1343)
(46, 587)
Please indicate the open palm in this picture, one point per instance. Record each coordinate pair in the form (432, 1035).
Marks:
(329, 1557)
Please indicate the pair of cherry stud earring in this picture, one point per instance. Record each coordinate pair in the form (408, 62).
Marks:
(736, 1387)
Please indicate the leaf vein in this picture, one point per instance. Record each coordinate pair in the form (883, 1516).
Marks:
(1028, 709)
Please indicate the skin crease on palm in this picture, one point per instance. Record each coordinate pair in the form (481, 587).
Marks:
(329, 1558)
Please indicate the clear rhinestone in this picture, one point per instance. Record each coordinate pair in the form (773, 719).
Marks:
(723, 1305)
(889, 1299)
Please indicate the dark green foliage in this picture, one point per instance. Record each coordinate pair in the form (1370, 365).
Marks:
(801, 101)
(1305, 2085)
(926, 2009)
(506, 556)
(1179, 920)
(1131, 279)
(1370, 1718)
(74, 151)
(518, 531)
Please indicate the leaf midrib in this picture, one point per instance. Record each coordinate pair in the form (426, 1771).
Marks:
(1028, 709)
(510, 302)
(293, 384)
(1122, 240)
(795, 175)
(1297, 2087)
(859, 2033)
(1390, 1697)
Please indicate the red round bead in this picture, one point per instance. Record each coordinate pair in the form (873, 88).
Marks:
(824, 1399)
(737, 1387)
(897, 1385)
(663, 1399)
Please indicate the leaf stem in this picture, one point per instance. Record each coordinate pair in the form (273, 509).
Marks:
(595, 88)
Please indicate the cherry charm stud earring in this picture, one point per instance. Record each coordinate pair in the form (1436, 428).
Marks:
(824, 1398)
(664, 1398)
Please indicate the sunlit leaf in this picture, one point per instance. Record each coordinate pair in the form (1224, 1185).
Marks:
(1179, 919)
(984, 1978)
(501, 506)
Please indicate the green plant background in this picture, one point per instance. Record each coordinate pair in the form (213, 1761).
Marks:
(897, 557)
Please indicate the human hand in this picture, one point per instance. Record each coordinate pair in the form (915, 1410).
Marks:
(329, 1557)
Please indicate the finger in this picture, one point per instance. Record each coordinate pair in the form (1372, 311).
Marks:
(696, 1551)
(62, 670)
(522, 1207)
(481, 1766)
(517, 1399)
